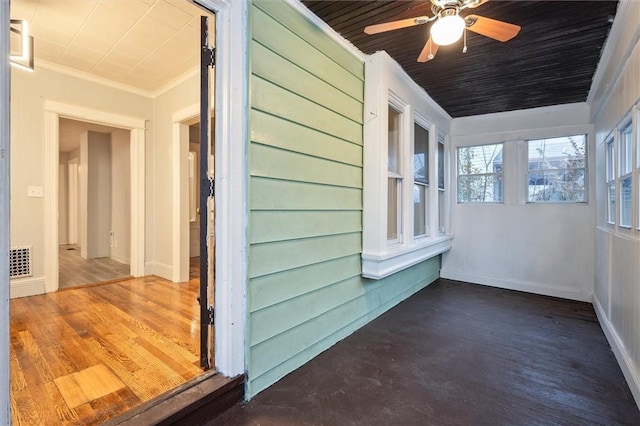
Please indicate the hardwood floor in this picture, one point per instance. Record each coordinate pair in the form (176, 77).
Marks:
(84, 355)
(75, 271)
(457, 354)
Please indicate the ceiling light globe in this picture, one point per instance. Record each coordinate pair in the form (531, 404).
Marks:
(447, 30)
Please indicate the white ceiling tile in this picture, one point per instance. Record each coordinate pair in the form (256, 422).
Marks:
(148, 33)
(25, 9)
(48, 51)
(143, 43)
(125, 61)
(77, 62)
(134, 9)
(108, 24)
(188, 7)
(85, 52)
(168, 14)
(54, 34)
(93, 42)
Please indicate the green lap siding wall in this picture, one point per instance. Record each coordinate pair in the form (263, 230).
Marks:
(305, 291)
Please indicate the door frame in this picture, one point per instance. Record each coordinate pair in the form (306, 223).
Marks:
(53, 111)
(231, 88)
(180, 166)
(72, 201)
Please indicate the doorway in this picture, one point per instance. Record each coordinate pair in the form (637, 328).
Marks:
(94, 206)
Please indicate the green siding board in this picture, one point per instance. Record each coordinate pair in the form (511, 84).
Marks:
(274, 68)
(268, 97)
(270, 130)
(269, 258)
(279, 318)
(273, 194)
(308, 31)
(275, 288)
(269, 226)
(353, 314)
(271, 162)
(258, 383)
(279, 39)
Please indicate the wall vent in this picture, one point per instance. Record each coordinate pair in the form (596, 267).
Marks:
(20, 262)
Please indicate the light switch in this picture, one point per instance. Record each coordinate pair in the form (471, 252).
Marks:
(35, 192)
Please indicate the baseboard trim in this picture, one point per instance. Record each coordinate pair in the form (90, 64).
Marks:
(159, 269)
(121, 259)
(529, 287)
(27, 287)
(629, 369)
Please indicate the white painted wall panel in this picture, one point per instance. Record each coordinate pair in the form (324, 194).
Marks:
(541, 248)
(616, 88)
(27, 142)
(121, 196)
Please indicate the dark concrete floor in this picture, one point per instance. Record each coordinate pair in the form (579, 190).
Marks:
(457, 354)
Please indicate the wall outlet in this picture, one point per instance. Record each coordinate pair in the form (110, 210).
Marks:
(112, 240)
(35, 192)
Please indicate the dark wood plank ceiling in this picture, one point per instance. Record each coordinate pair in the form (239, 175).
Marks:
(552, 61)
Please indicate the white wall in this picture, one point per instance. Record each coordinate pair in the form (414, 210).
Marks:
(28, 92)
(63, 200)
(176, 99)
(614, 92)
(121, 196)
(540, 248)
(98, 212)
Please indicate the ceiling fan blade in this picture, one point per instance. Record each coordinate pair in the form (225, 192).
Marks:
(395, 25)
(428, 51)
(474, 3)
(497, 30)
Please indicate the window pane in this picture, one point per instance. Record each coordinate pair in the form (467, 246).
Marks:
(626, 151)
(394, 140)
(611, 205)
(440, 165)
(557, 169)
(480, 188)
(625, 202)
(393, 222)
(480, 174)
(557, 185)
(419, 210)
(421, 154)
(609, 161)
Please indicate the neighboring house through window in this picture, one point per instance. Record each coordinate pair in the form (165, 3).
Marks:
(480, 174)
(557, 169)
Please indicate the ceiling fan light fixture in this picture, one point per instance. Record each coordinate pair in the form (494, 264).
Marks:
(448, 28)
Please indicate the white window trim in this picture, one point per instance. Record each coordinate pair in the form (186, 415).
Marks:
(387, 84)
(620, 177)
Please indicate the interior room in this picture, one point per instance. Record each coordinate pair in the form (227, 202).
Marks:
(112, 69)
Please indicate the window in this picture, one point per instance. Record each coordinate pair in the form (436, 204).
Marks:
(557, 169)
(401, 203)
(610, 181)
(441, 196)
(480, 174)
(394, 180)
(420, 180)
(625, 169)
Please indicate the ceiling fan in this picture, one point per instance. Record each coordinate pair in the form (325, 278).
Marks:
(449, 26)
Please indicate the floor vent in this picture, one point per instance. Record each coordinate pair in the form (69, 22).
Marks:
(20, 262)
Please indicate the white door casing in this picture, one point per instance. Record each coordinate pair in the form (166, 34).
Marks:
(52, 113)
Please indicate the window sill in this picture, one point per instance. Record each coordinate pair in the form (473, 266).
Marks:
(377, 266)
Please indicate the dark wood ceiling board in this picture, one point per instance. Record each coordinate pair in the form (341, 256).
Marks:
(550, 62)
